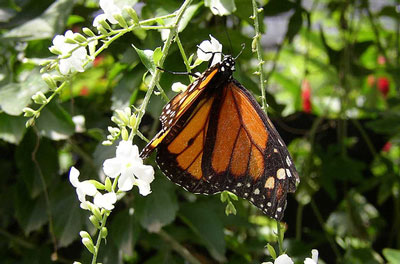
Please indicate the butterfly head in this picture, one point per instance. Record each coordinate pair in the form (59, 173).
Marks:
(227, 65)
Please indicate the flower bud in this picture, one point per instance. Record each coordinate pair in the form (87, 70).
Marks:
(106, 143)
(104, 24)
(85, 234)
(132, 13)
(28, 112)
(39, 98)
(79, 37)
(104, 232)
(124, 134)
(121, 20)
(88, 32)
(96, 212)
(108, 184)
(71, 41)
(94, 221)
(102, 30)
(49, 81)
(54, 50)
(132, 121)
(89, 245)
(123, 116)
(30, 122)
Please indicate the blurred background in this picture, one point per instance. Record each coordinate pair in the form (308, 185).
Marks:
(333, 82)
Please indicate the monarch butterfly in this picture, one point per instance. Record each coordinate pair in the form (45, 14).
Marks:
(216, 137)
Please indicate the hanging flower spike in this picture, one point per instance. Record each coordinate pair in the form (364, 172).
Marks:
(105, 201)
(383, 86)
(208, 49)
(70, 61)
(82, 188)
(129, 166)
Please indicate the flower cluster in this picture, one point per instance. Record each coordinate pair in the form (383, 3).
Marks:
(127, 167)
(72, 56)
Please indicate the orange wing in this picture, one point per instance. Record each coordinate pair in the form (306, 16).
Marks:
(177, 107)
(244, 154)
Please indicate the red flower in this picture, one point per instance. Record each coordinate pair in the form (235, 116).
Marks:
(84, 91)
(306, 96)
(383, 86)
(387, 147)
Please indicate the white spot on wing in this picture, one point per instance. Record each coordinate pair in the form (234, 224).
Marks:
(280, 142)
(289, 174)
(280, 174)
(257, 191)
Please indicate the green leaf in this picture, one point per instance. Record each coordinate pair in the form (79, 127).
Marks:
(207, 225)
(157, 55)
(275, 7)
(74, 19)
(51, 22)
(146, 56)
(188, 15)
(294, 26)
(45, 165)
(12, 128)
(55, 123)
(15, 96)
(122, 92)
(158, 208)
(67, 215)
(271, 251)
(124, 231)
(29, 212)
(392, 255)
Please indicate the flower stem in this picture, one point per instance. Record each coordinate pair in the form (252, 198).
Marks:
(98, 242)
(281, 234)
(156, 76)
(258, 48)
(184, 57)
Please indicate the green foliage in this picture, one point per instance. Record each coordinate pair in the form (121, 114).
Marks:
(344, 135)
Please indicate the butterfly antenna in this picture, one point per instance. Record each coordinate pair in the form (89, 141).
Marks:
(243, 46)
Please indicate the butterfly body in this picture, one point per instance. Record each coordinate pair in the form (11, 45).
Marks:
(216, 137)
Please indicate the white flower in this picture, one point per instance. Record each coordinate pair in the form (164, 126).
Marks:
(110, 9)
(282, 259)
(210, 49)
(178, 87)
(82, 188)
(314, 260)
(130, 167)
(105, 201)
(72, 57)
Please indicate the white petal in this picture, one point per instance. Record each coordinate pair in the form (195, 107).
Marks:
(203, 51)
(64, 67)
(309, 261)
(98, 18)
(81, 195)
(73, 176)
(217, 58)
(124, 149)
(84, 205)
(144, 173)
(125, 182)
(112, 167)
(144, 187)
(105, 201)
(216, 46)
(314, 254)
(87, 188)
(283, 259)
(178, 87)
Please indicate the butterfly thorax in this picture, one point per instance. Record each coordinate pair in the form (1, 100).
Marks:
(227, 66)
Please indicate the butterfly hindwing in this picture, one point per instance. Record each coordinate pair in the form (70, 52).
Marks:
(243, 153)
